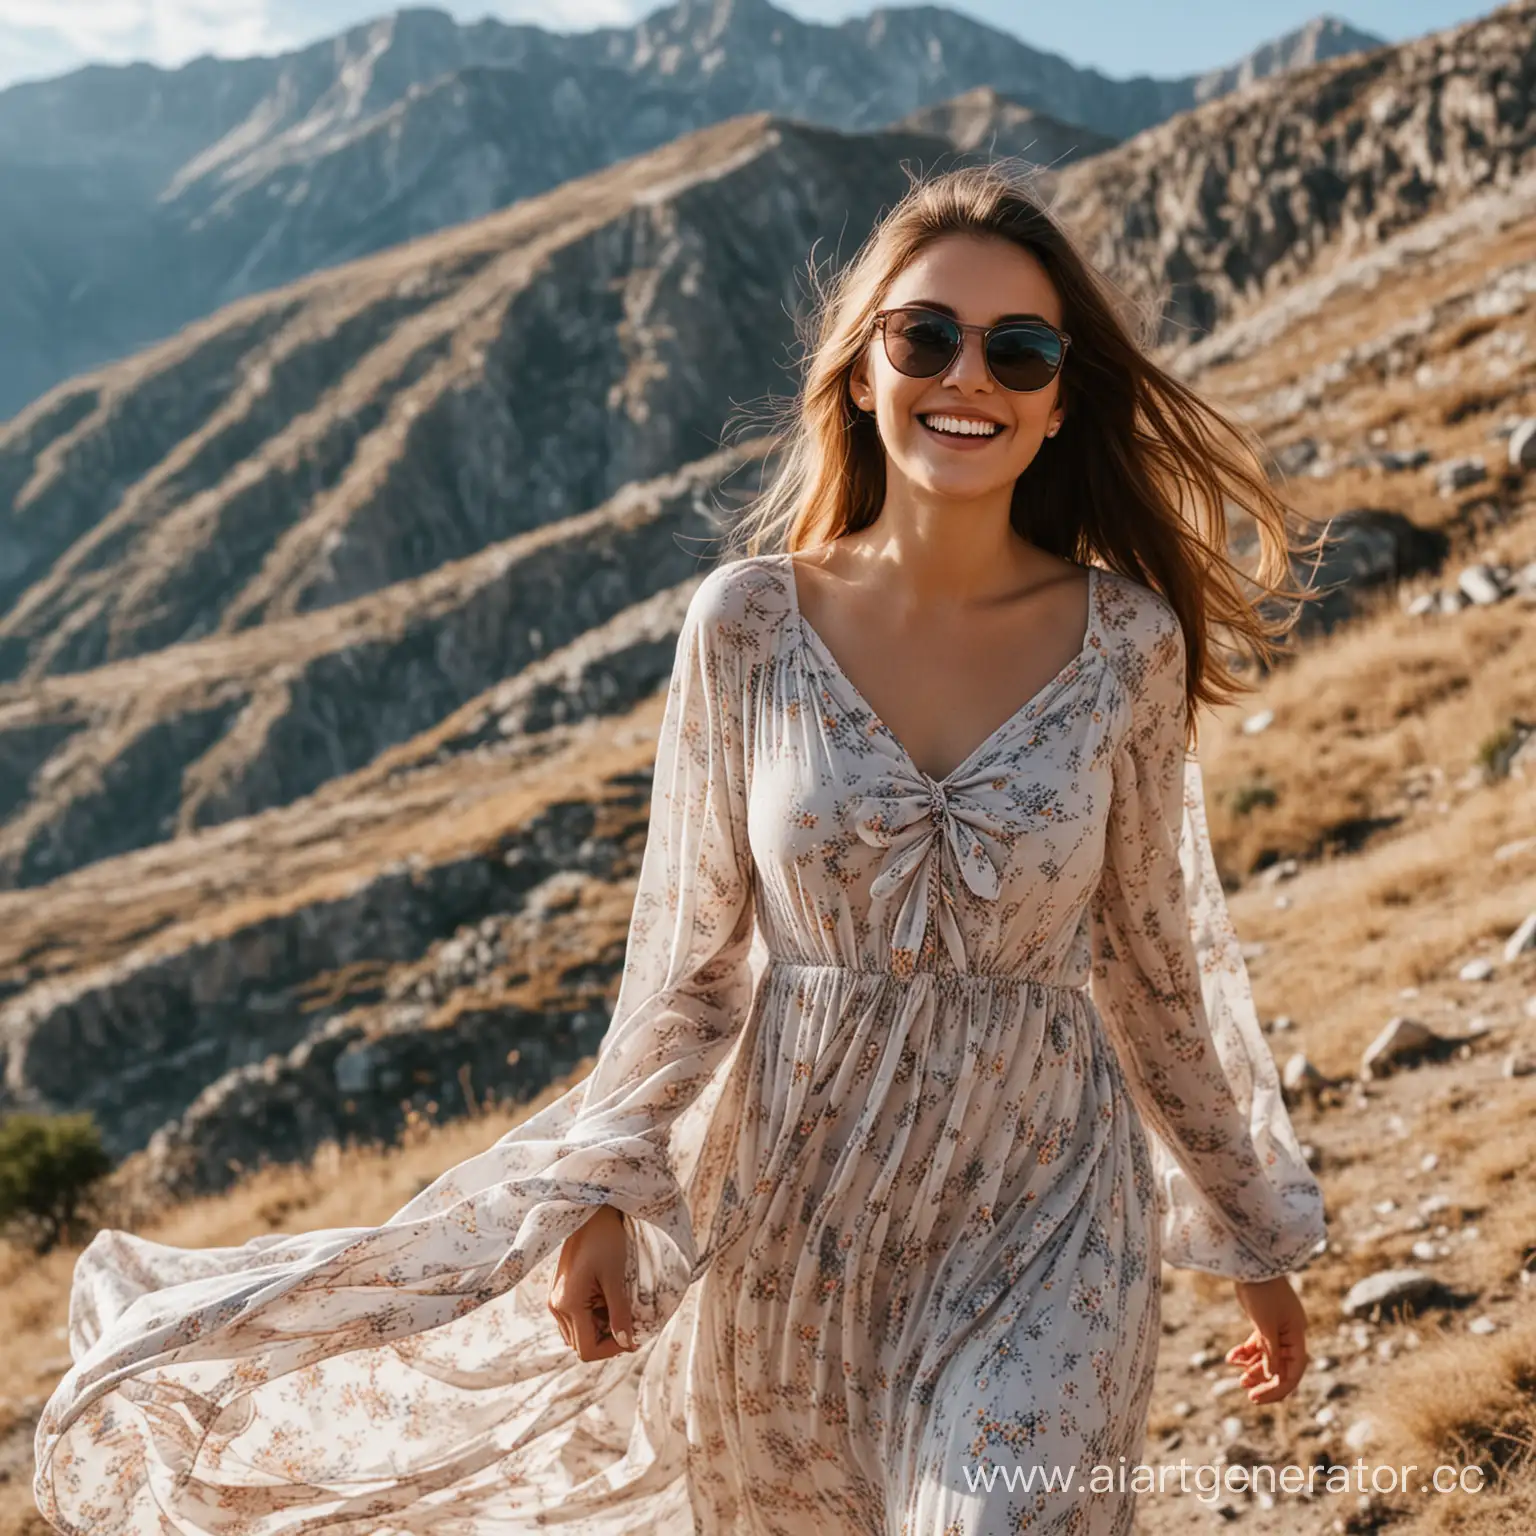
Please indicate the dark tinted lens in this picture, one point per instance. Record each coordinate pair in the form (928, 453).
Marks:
(919, 342)
(1024, 357)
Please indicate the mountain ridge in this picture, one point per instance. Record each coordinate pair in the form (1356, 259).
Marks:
(133, 201)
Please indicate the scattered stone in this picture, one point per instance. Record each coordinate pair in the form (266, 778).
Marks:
(1395, 460)
(1482, 1325)
(1297, 456)
(1390, 1288)
(1522, 445)
(1456, 474)
(1360, 1434)
(1480, 585)
(1480, 969)
(1402, 1043)
(1522, 939)
(1281, 869)
(1429, 1162)
(1300, 1079)
(1517, 1064)
(1258, 722)
(1202, 1358)
(1182, 1409)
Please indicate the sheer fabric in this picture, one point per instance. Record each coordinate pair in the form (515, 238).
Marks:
(909, 1086)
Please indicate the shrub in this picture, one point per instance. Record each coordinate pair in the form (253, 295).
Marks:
(48, 1164)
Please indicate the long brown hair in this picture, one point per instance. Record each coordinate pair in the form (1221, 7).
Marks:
(1139, 478)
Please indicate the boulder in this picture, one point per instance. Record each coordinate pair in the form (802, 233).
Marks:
(1367, 547)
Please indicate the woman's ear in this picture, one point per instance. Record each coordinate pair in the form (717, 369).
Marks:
(858, 386)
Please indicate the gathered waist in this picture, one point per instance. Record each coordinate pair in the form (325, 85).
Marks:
(955, 979)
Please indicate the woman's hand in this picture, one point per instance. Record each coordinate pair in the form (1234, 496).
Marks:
(1274, 1355)
(588, 1298)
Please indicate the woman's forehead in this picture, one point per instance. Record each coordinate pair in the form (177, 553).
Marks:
(979, 280)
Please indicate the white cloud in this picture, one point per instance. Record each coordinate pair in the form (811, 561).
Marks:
(162, 31)
(563, 15)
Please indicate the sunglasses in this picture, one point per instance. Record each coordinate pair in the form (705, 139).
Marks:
(1021, 355)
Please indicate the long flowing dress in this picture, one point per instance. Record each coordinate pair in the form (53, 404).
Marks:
(911, 1086)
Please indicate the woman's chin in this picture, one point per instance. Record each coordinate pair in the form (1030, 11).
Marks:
(950, 482)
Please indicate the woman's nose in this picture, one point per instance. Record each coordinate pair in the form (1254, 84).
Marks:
(969, 369)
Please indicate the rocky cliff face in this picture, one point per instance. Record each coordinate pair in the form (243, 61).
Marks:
(133, 200)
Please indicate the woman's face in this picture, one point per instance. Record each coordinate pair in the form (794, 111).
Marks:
(978, 280)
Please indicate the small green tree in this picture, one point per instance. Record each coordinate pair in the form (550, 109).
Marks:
(48, 1164)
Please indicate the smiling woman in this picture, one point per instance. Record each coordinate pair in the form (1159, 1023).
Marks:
(933, 1040)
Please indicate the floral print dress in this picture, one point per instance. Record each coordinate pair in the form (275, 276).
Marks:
(910, 1088)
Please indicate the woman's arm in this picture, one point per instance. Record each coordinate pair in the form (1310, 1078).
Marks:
(1168, 977)
(686, 987)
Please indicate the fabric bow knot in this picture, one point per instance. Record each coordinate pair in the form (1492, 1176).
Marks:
(916, 820)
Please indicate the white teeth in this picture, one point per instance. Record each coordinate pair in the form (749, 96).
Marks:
(960, 427)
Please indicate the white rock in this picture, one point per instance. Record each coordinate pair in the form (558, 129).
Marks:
(1522, 445)
(1480, 969)
(1480, 585)
(1387, 1288)
(1300, 1078)
(1482, 1325)
(1359, 1434)
(1522, 939)
(1455, 474)
(1258, 722)
(1429, 1162)
(1400, 1043)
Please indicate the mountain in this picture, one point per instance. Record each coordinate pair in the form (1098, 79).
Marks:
(135, 199)
(985, 120)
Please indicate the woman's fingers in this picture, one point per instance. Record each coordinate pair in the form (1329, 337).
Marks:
(621, 1323)
(1284, 1365)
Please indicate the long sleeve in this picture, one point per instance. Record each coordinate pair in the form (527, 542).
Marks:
(687, 985)
(1236, 1196)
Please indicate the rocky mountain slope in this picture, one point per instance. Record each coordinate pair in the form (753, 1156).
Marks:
(135, 199)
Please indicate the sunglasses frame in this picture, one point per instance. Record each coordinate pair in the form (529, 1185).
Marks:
(986, 332)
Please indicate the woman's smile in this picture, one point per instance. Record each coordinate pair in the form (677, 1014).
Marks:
(960, 430)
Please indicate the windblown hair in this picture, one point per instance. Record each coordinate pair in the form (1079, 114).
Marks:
(1140, 478)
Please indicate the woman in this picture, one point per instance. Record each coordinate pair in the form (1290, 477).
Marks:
(933, 1038)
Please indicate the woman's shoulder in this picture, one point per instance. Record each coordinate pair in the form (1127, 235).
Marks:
(1140, 630)
(742, 603)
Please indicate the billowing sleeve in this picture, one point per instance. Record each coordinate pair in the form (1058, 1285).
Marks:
(686, 987)
(1234, 1191)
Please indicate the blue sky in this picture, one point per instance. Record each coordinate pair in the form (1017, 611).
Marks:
(1119, 37)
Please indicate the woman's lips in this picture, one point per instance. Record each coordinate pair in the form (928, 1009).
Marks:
(954, 440)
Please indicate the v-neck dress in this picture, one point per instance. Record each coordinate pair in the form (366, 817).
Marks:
(910, 1088)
